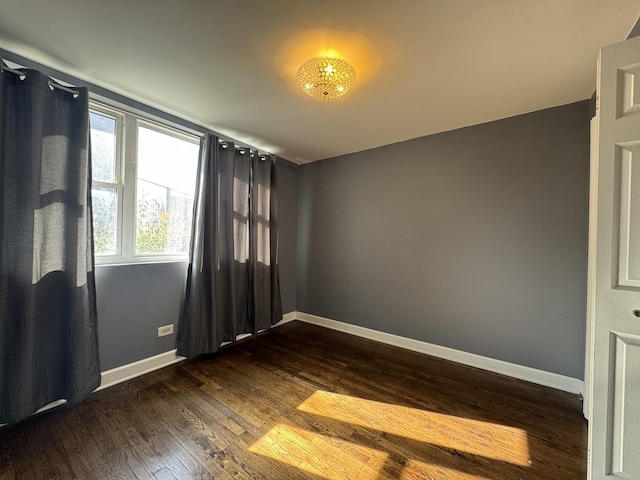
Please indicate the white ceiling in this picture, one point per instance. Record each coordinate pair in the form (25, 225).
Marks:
(424, 66)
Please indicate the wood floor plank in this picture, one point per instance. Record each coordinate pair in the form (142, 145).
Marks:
(304, 402)
(255, 382)
(84, 455)
(207, 447)
(116, 438)
(149, 440)
(165, 437)
(543, 423)
(7, 454)
(237, 443)
(52, 452)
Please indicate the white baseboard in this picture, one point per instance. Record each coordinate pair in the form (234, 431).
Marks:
(131, 370)
(540, 377)
(286, 318)
(51, 405)
(146, 365)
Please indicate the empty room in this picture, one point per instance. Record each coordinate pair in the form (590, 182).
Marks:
(305, 239)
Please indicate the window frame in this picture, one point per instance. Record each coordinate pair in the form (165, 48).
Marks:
(118, 180)
(126, 179)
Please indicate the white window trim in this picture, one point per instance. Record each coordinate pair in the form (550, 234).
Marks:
(127, 124)
(119, 117)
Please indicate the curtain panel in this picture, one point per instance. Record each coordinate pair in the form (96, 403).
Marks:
(48, 320)
(232, 281)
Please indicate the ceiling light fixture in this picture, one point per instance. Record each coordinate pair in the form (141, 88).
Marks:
(325, 78)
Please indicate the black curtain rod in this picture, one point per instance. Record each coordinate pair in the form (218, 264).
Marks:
(263, 156)
(15, 72)
(21, 75)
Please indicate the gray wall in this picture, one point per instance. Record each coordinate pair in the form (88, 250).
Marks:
(134, 300)
(473, 239)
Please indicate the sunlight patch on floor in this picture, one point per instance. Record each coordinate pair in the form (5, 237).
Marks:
(415, 469)
(475, 437)
(326, 457)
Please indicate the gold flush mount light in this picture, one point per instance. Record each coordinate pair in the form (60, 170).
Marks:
(325, 78)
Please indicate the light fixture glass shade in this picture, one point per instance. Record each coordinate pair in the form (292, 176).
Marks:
(325, 78)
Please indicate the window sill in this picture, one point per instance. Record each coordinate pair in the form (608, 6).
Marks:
(146, 262)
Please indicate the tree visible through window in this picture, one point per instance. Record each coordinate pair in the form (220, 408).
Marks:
(104, 191)
(166, 179)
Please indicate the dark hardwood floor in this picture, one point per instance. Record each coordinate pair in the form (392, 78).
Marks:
(304, 402)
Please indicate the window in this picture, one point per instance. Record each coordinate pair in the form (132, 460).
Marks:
(106, 192)
(143, 187)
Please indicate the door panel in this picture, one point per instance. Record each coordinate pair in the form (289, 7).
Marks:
(628, 98)
(626, 412)
(614, 269)
(629, 202)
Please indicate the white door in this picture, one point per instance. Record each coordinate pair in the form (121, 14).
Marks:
(614, 270)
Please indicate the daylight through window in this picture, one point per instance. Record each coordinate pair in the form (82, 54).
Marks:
(143, 187)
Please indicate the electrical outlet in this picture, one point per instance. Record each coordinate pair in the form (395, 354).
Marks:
(166, 330)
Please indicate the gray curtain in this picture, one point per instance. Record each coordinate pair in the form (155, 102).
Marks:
(48, 321)
(232, 282)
